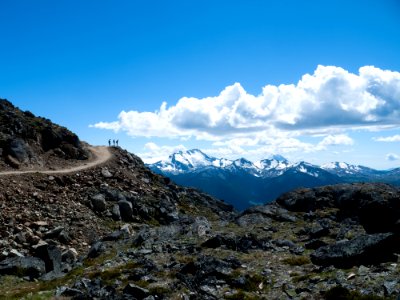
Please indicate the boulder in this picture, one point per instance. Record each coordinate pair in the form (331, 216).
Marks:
(106, 173)
(136, 291)
(98, 202)
(96, 250)
(19, 149)
(245, 220)
(272, 211)
(115, 213)
(53, 233)
(69, 256)
(126, 210)
(23, 266)
(364, 249)
(375, 205)
(201, 226)
(51, 255)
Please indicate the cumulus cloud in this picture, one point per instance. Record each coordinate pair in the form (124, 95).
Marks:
(328, 99)
(394, 138)
(392, 157)
(154, 153)
(340, 139)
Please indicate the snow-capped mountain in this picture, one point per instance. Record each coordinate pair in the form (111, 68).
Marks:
(186, 161)
(241, 181)
(197, 161)
(342, 168)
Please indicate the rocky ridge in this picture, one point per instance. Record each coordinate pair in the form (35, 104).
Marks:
(27, 141)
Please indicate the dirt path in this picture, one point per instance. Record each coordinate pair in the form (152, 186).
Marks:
(101, 155)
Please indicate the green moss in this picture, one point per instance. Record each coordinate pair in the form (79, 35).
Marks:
(253, 282)
(300, 278)
(40, 296)
(242, 296)
(160, 291)
(297, 260)
(108, 276)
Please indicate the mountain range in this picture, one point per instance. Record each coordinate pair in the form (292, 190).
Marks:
(243, 183)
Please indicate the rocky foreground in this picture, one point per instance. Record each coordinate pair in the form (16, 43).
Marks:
(118, 231)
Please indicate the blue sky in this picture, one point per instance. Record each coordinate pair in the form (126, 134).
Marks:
(80, 63)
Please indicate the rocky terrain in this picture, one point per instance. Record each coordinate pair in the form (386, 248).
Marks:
(27, 141)
(119, 231)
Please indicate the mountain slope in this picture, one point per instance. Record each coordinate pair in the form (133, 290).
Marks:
(243, 183)
(27, 141)
(118, 231)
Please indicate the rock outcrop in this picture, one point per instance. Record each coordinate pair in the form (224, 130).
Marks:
(27, 140)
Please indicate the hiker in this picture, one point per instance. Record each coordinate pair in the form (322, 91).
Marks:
(109, 143)
(116, 142)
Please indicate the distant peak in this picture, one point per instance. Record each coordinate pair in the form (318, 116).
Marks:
(336, 165)
(277, 157)
(191, 151)
(243, 160)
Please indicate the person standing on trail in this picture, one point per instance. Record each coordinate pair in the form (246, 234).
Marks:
(109, 143)
(116, 142)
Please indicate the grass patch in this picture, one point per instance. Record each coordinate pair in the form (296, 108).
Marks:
(297, 260)
(241, 295)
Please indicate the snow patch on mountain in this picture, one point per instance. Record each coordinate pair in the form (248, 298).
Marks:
(276, 165)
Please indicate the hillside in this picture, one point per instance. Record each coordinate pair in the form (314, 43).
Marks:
(116, 230)
(27, 141)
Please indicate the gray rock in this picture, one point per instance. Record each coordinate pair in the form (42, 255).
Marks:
(51, 255)
(20, 150)
(53, 233)
(115, 213)
(126, 210)
(201, 226)
(69, 256)
(105, 173)
(63, 237)
(15, 253)
(99, 202)
(136, 291)
(253, 219)
(68, 292)
(391, 287)
(23, 266)
(96, 250)
(272, 211)
(363, 270)
(364, 249)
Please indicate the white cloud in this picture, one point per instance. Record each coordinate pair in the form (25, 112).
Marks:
(340, 139)
(394, 138)
(154, 153)
(328, 99)
(392, 157)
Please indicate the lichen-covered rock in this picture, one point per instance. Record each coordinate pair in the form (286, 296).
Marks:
(364, 249)
(32, 267)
